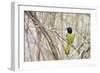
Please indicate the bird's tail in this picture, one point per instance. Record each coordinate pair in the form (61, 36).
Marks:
(67, 49)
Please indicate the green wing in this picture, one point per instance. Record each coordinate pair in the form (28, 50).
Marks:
(70, 38)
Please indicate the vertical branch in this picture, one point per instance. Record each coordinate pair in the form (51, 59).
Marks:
(27, 38)
(38, 39)
(45, 33)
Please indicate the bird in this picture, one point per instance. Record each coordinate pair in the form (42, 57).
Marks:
(69, 40)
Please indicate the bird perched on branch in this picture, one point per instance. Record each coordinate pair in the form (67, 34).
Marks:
(69, 39)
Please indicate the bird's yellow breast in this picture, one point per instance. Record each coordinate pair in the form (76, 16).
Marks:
(70, 38)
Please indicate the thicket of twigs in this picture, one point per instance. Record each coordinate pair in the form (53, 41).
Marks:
(44, 35)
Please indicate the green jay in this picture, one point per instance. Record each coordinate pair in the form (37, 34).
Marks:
(69, 39)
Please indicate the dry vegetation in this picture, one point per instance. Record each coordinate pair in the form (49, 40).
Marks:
(44, 35)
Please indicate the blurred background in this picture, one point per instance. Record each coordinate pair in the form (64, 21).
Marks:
(45, 35)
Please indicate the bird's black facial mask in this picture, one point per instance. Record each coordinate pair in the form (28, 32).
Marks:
(69, 30)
